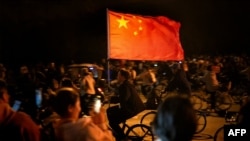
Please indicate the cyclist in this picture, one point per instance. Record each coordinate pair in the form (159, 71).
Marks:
(130, 104)
(179, 80)
(211, 84)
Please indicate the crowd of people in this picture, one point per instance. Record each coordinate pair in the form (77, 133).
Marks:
(78, 120)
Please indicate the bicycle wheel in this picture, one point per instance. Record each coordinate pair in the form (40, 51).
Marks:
(196, 101)
(148, 118)
(219, 134)
(223, 101)
(139, 132)
(201, 122)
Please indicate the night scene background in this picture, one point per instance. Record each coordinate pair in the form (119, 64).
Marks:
(63, 30)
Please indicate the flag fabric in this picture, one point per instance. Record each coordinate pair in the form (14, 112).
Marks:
(134, 37)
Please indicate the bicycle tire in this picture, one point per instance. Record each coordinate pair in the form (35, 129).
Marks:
(219, 134)
(201, 122)
(135, 132)
(224, 102)
(148, 118)
(196, 101)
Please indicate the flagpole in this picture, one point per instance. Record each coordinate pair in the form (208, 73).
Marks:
(108, 48)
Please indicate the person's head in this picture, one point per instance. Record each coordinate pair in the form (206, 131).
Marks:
(66, 82)
(122, 75)
(55, 83)
(24, 69)
(175, 67)
(85, 71)
(67, 103)
(4, 96)
(52, 65)
(175, 119)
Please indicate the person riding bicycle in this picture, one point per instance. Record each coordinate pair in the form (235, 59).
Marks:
(179, 81)
(130, 104)
(211, 84)
(148, 79)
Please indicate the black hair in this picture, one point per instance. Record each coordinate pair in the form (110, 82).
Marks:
(66, 82)
(125, 73)
(175, 119)
(65, 97)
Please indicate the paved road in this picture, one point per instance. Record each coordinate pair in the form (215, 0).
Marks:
(214, 122)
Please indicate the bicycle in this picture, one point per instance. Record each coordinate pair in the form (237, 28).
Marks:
(201, 121)
(223, 100)
(195, 99)
(138, 132)
(148, 117)
(159, 93)
(231, 119)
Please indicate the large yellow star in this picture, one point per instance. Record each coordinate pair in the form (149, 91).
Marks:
(122, 22)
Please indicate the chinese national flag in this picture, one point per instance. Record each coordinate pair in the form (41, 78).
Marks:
(135, 37)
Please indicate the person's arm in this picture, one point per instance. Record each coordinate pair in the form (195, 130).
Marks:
(214, 80)
(152, 76)
(28, 130)
(133, 74)
(97, 129)
(51, 92)
(98, 133)
(99, 67)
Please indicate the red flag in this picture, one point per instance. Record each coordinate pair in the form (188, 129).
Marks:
(135, 37)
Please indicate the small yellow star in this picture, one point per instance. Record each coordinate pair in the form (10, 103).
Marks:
(122, 22)
(135, 33)
(140, 21)
(140, 28)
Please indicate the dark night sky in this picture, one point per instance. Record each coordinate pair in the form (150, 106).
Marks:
(34, 30)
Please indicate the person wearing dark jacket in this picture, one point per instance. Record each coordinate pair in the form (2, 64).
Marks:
(179, 81)
(130, 104)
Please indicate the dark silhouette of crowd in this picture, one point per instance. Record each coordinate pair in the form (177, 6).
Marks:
(22, 82)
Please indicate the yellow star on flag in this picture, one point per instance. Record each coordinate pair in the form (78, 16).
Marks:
(122, 22)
